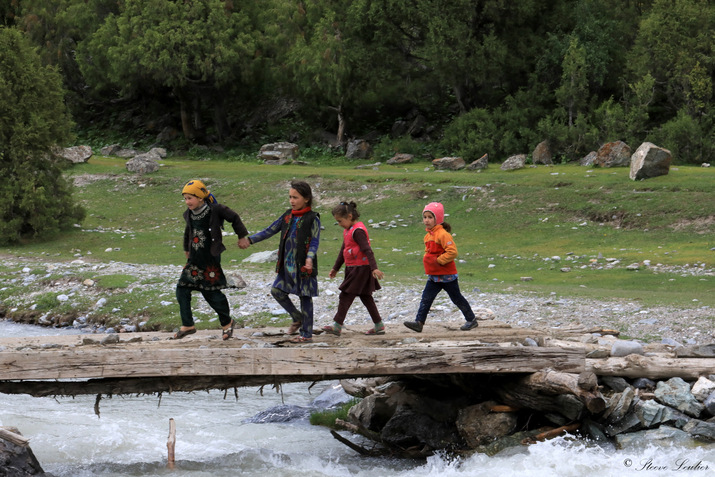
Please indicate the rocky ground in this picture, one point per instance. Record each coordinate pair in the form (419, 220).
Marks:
(397, 303)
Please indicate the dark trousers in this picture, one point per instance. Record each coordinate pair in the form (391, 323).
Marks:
(347, 299)
(215, 298)
(305, 315)
(452, 288)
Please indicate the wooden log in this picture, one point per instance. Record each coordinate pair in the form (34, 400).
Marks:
(171, 444)
(656, 367)
(119, 362)
(551, 433)
(14, 437)
(536, 391)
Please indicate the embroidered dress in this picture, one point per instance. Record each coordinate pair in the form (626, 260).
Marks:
(289, 278)
(202, 270)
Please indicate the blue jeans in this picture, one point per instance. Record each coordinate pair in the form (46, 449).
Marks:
(452, 288)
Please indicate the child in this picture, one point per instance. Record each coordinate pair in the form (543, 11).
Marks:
(440, 252)
(297, 265)
(361, 273)
(203, 245)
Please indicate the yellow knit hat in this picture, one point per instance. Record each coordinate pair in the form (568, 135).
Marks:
(197, 188)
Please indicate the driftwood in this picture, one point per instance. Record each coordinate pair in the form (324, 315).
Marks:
(551, 433)
(171, 444)
(538, 390)
(656, 367)
(13, 437)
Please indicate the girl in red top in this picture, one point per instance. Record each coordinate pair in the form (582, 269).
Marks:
(361, 272)
(440, 252)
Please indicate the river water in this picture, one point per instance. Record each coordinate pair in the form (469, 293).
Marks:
(213, 438)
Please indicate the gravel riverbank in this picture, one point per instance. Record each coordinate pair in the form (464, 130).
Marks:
(396, 302)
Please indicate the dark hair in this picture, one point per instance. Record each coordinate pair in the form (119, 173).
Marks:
(344, 209)
(447, 227)
(304, 190)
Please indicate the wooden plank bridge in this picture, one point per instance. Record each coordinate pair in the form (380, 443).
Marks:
(151, 362)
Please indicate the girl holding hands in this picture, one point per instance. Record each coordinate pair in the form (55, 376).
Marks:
(361, 272)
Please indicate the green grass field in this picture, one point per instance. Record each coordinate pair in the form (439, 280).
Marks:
(507, 225)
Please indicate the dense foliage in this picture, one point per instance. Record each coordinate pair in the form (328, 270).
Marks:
(484, 76)
(35, 199)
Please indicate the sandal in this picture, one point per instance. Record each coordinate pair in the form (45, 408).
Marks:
(228, 332)
(294, 327)
(301, 339)
(335, 329)
(181, 333)
(378, 329)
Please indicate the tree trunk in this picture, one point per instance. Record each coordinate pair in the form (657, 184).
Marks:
(341, 123)
(186, 124)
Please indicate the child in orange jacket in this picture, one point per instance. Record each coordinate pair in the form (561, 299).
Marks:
(440, 252)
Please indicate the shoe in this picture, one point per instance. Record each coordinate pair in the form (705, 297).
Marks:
(301, 339)
(414, 325)
(334, 329)
(228, 332)
(183, 333)
(469, 325)
(294, 327)
(378, 329)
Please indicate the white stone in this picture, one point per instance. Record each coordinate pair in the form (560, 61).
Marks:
(703, 388)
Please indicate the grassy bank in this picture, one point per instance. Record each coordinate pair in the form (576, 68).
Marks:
(507, 225)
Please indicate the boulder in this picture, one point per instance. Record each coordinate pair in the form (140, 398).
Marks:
(111, 150)
(588, 159)
(449, 163)
(675, 393)
(513, 163)
(649, 161)
(481, 163)
(542, 154)
(703, 388)
(401, 158)
(358, 149)
(268, 256)
(613, 154)
(408, 428)
(278, 153)
(479, 426)
(76, 154)
(16, 457)
(143, 164)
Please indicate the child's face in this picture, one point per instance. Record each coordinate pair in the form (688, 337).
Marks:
(428, 219)
(296, 200)
(192, 202)
(345, 222)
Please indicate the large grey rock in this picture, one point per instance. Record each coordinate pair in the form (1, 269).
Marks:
(542, 154)
(481, 163)
(143, 164)
(664, 436)
(358, 149)
(589, 159)
(479, 426)
(703, 388)
(449, 163)
(408, 428)
(76, 154)
(279, 153)
(676, 393)
(710, 404)
(401, 158)
(613, 154)
(624, 348)
(701, 429)
(110, 150)
(513, 163)
(267, 256)
(17, 460)
(649, 161)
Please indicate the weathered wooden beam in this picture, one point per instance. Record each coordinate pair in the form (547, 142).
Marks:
(652, 367)
(119, 362)
(14, 437)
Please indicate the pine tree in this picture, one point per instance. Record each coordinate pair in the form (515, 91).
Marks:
(35, 198)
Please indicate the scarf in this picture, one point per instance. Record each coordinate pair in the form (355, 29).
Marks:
(301, 212)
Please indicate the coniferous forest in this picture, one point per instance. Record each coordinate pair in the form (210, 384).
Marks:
(469, 77)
